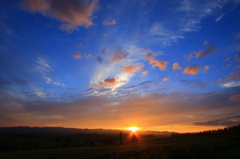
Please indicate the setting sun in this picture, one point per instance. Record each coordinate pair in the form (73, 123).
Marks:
(133, 129)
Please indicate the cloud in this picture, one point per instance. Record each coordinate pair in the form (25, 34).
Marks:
(206, 68)
(161, 64)
(194, 83)
(227, 59)
(48, 80)
(79, 45)
(104, 35)
(220, 17)
(231, 84)
(227, 67)
(101, 84)
(42, 66)
(166, 79)
(234, 98)
(149, 56)
(109, 21)
(144, 73)
(71, 13)
(236, 58)
(211, 49)
(162, 33)
(105, 50)
(238, 37)
(93, 86)
(234, 78)
(117, 57)
(39, 92)
(234, 120)
(87, 56)
(176, 66)
(100, 59)
(77, 55)
(110, 81)
(205, 43)
(58, 84)
(131, 68)
(192, 70)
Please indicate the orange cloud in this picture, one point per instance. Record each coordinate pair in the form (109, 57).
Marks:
(161, 64)
(165, 79)
(104, 35)
(93, 86)
(71, 13)
(110, 81)
(79, 45)
(192, 70)
(234, 98)
(205, 42)
(88, 56)
(77, 55)
(176, 66)
(234, 78)
(144, 73)
(237, 59)
(238, 37)
(227, 67)
(117, 57)
(131, 69)
(227, 59)
(149, 56)
(238, 46)
(210, 50)
(206, 67)
(109, 22)
(101, 84)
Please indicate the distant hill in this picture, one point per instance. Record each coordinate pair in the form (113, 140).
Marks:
(26, 129)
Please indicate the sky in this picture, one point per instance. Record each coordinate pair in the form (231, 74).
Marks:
(156, 65)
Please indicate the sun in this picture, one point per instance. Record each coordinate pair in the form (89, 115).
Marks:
(133, 129)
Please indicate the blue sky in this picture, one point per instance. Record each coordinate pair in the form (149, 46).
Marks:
(157, 65)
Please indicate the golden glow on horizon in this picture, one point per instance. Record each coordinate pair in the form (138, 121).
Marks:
(133, 129)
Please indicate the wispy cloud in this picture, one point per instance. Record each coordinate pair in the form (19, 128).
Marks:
(231, 84)
(109, 21)
(220, 17)
(42, 66)
(235, 120)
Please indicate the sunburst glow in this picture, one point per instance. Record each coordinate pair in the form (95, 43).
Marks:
(133, 129)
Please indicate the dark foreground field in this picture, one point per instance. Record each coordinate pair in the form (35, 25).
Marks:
(195, 146)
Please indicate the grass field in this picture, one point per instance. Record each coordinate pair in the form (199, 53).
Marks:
(216, 146)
